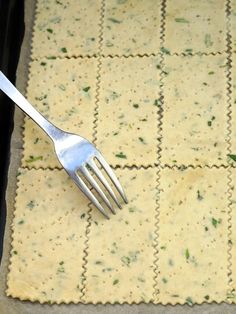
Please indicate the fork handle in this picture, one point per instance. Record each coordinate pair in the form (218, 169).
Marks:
(9, 89)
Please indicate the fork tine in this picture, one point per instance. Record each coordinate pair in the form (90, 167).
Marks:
(83, 187)
(94, 184)
(112, 176)
(101, 177)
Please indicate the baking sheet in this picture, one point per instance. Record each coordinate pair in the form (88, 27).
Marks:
(13, 306)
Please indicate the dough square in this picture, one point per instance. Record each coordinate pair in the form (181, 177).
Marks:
(195, 26)
(193, 236)
(64, 92)
(194, 124)
(131, 27)
(120, 261)
(64, 29)
(48, 238)
(127, 126)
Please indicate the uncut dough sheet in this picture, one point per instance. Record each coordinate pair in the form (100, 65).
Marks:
(152, 84)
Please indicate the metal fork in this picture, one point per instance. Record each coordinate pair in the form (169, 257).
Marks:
(76, 154)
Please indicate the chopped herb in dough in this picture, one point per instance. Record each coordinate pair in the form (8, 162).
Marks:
(142, 140)
(135, 106)
(165, 50)
(49, 30)
(115, 282)
(51, 58)
(189, 301)
(187, 255)
(215, 222)
(31, 204)
(121, 155)
(208, 41)
(181, 20)
(111, 19)
(43, 63)
(63, 49)
(86, 89)
(233, 157)
(199, 196)
(21, 222)
(157, 102)
(62, 87)
(32, 159)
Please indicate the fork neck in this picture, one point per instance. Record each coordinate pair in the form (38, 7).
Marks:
(9, 89)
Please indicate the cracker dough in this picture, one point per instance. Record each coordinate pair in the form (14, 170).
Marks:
(193, 236)
(131, 27)
(48, 238)
(195, 111)
(195, 26)
(64, 92)
(128, 104)
(66, 28)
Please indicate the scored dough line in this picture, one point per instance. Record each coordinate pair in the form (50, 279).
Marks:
(228, 11)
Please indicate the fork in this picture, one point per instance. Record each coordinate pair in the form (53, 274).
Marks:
(78, 156)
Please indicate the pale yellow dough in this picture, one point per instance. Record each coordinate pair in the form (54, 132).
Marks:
(48, 238)
(195, 26)
(193, 236)
(66, 28)
(195, 111)
(131, 27)
(64, 92)
(127, 126)
(120, 258)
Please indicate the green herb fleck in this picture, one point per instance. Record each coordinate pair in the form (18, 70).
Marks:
(49, 30)
(199, 196)
(208, 41)
(189, 301)
(187, 255)
(209, 123)
(61, 263)
(111, 19)
(211, 72)
(142, 140)
(43, 63)
(51, 58)
(181, 20)
(163, 247)
(164, 280)
(32, 159)
(21, 222)
(62, 87)
(36, 140)
(215, 222)
(82, 216)
(135, 106)
(115, 282)
(165, 50)
(121, 155)
(31, 204)
(157, 102)
(15, 252)
(207, 297)
(189, 50)
(86, 89)
(63, 49)
(233, 157)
